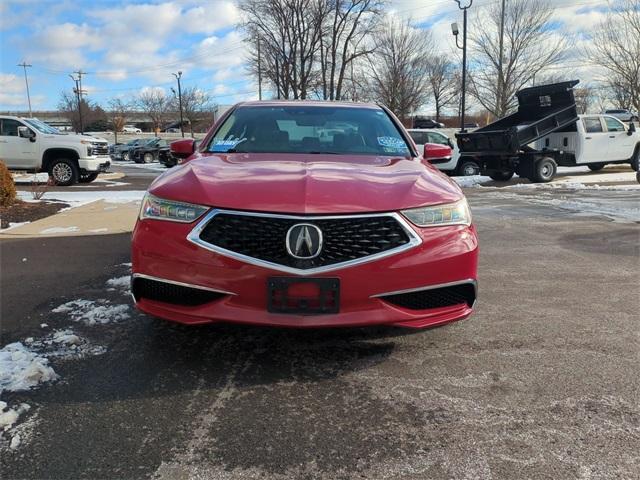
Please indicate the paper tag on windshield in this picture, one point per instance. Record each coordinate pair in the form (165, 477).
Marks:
(392, 142)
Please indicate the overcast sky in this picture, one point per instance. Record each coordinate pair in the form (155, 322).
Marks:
(127, 46)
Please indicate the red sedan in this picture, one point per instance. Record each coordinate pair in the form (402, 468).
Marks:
(305, 214)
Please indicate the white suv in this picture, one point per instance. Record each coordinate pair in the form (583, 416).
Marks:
(31, 145)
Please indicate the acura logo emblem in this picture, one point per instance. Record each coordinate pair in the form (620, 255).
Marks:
(304, 240)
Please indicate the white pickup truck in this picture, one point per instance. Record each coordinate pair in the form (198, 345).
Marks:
(594, 141)
(31, 145)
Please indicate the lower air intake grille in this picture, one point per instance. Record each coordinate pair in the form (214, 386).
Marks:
(145, 288)
(434, 298)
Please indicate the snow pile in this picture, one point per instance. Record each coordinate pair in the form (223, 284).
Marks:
(64, 344)
(119, 283)
(9, 416)
(21, 369)
(91, 313)
(471, 181)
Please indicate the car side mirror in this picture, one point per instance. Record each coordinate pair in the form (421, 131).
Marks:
(435, 151)
(632, 129)
(183, 148)
(26, 132)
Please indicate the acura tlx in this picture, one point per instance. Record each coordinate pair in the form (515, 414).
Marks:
(305, 214)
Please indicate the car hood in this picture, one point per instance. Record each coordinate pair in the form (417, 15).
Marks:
(73, 138)
(306, 184)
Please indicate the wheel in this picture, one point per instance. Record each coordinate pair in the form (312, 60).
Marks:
(635, 161)
(503, 176)
(468, 167)
(544, 170)
(125, 156)
(147, 158)
(596, 166)
(88, 177)
(63, 171)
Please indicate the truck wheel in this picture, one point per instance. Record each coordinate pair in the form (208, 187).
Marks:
(63, 171)
(147, 158)
(468, 167)
(88, 177)
(596, 166)
(125, 156)
(503, 176)
(544, 170)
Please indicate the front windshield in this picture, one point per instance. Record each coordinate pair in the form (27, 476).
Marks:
(42, 127)
(309, 129)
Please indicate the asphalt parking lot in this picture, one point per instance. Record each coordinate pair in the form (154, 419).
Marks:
(541, 382)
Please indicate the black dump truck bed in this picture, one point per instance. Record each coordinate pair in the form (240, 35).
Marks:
(541, 110)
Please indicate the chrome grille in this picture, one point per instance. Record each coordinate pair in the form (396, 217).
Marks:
(261, 238)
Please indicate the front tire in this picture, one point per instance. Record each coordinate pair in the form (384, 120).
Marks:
(63, 172)
(147, 158)
(503, 176)
(468, 167)
(596, 167)
(635, 161)
(88, 177)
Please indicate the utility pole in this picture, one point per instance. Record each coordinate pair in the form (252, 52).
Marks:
(178, 77)
(454, 28)
(78, 91)
(24, 65)
(501, 92)
(259, 72)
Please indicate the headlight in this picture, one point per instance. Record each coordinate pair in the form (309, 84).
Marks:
(159, 209)
(451, 214)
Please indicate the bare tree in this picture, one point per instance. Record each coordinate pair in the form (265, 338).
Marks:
(284, 37)
(196, 103)
(156, 105)
(118, 110)
(346, 27)
(529, 46)
(443, 82)
(585, 98)
(92, 114)
(398, 67)
(616, 48)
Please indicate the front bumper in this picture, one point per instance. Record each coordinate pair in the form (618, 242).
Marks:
(95, 164)
(447, 256)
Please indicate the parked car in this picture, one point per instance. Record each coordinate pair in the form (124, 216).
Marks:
(172, 130)
(421, 122)
(148, 151)
(121, 150)
(471, 125)
(270, 223)
(623, 115)
(131, 129)
(450, 165)
(31, 145)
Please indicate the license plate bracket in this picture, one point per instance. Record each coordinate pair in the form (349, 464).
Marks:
(316, 296)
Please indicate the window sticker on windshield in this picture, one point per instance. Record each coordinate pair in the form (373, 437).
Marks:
(226, 144)
(392, 142)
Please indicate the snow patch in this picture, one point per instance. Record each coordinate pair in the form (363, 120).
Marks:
(65, 344)
(9, 416)
(79, 198)
(60, 230)
(93, 312)
(119, 283)
(471, 181)
(99, 230)
(21, 369)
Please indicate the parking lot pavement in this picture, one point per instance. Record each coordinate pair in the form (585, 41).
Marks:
(541, 382)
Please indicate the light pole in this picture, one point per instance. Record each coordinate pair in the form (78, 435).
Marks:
(455, 31)
(24, 65)
(178, 76)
